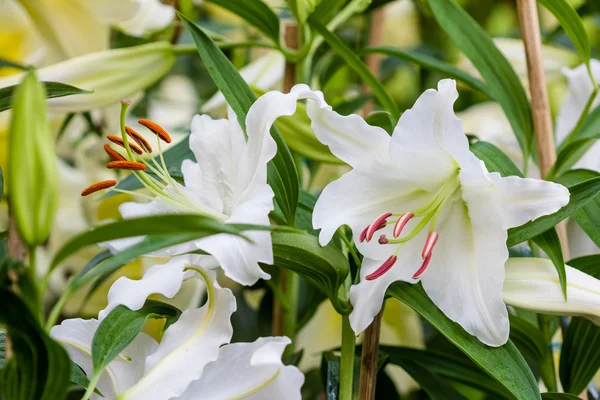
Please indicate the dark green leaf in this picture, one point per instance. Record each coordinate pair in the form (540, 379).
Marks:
(447, 366)
(39, 368)
(503, 363)
(579, 358)
(79, 378)
(282, 172)
(549, 242)
(4, 63)
(2, 348)
(501, 79)
(569, 155)
(326, 267)
(581, 193)
(384, 98)
(588, 215)
(121, 326)
(382, 119)
(256, 13)
(53, 90)
(173, 158)
(572, 24)
(432, 64)
(588, 264)
(495, 160)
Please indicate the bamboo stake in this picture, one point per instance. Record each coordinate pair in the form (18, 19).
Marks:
(370, 349)
(540, 105)
(291, 40)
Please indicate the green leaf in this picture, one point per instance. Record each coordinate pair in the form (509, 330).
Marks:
(173, 157)
(256, 13)
(121, 326)
(569, 155)
(588, 215)
(79, 378)
(447, 366)
(382, 95)
(40, 368)
(581, 193)
(572, 24)
(500, 77)
(549, 242)
(146, 226)
(326, 267)
(303, 8)
(559, 396)
(4, 63)
(579, 358)
(282, 172)
(1, 184)
(2, 348)
(495, 160)
(382, 119)
(588, 264)
(504, 363)
(531, 342)
(431, 64)
(53, 90)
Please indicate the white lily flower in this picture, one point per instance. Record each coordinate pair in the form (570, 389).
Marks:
(111, 74)
(189, 359)
(263, 73)
(425, 180)
(532, 283)
(228, 183)
(19, 40)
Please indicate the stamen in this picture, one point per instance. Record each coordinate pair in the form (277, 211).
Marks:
(156, 129)
(378, 224)
(363, 234)
(432, 238)
(113, 154)
(139, 139)
(401, 223)
(98, 186)
(128, 165)
(424, 266)
(383, 239)
(385, 267)
(119, 141)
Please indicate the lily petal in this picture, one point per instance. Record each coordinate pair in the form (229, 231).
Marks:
(151, 16)
(532, 283)
(188, 345)
(466, 272)
(525, 199)
(257, 370)
(164, 279)
(124, 371)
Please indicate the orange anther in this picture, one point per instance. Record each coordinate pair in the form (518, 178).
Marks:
(113, 154)
(119, 141)
(129, 165)
(156, 129)
(139, 139)
(98, 186)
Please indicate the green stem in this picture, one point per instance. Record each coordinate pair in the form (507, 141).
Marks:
(92, 386)
(184, 49)
(347, 359)
(290, 313)
(32, 276)
(55, 313)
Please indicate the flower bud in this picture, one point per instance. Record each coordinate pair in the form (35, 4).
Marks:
(532, 283)
(112, 75)
(32, 174)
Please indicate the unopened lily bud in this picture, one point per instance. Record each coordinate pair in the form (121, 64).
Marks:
(532, 283)
(32, 173)
(111, 75)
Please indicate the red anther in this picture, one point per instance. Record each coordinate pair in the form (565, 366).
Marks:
(385, 267)
(383, 239)
(363, 234)
(378, 224)
(424, 266)
(429, 243)
(401, 223)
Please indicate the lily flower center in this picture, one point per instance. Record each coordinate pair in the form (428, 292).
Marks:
(427, 215)
(153, 175)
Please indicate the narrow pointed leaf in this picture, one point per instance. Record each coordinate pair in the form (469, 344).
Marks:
(498, 74)
(579, 358)
(256, 13)
(53, 90)
(504, 363)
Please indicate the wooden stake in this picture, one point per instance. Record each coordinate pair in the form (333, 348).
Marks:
(370, 350)
(540, 105)
(291, 39)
